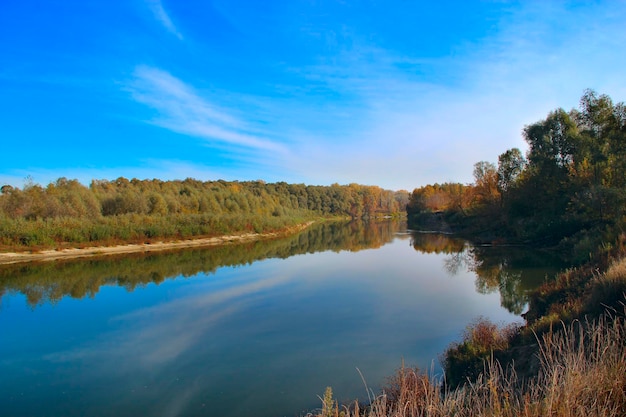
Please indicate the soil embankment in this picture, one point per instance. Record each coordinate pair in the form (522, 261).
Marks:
(69, 253)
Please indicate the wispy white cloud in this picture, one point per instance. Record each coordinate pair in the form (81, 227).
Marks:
(410, 129)
(161, 15)
(372, 115)
(306, 95)
(183, 110)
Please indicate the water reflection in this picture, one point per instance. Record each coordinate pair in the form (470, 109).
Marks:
(262, 339)
(49, 282)
(512, 271)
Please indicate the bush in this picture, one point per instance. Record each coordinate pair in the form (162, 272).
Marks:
(463, 361)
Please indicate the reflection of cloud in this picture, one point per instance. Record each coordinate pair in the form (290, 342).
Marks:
(178, 400)
(393, 292)
(161, 15)
(169, 329)
(172, 334)
(160, 335)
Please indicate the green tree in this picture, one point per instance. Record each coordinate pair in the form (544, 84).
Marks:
(510, 166)
(546, 185)
(553, 144)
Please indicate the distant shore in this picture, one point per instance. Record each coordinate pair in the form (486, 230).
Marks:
(71, 253)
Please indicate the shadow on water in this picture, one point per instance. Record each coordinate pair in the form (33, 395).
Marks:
(512, 271)
(49, 282)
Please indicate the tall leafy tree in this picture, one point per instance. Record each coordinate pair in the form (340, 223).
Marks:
(553, 143)
(510, 166)
(601, 160)
(486, 183)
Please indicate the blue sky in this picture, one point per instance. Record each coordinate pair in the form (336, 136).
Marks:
(391, 93)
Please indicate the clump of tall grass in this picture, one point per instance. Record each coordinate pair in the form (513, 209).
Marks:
(607, 290)
(582, 373)
(463, 360)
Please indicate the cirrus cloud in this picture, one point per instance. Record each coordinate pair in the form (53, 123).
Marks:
(183, 110)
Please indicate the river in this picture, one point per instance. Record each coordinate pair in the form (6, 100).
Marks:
(256, 329)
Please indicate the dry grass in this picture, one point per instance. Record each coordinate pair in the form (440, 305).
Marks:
(580, 292)
(582, 374)
(608, 290)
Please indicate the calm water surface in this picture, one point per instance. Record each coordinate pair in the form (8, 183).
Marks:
(252, 330)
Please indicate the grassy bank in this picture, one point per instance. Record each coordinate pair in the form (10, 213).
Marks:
(581, 372)
(58, 233)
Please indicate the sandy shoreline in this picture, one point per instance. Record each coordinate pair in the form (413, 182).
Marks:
(70, 253)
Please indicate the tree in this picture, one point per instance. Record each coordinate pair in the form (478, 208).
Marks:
(510, 165)
(486, 182)
(602, 126)
(548, 181)
(553, 143)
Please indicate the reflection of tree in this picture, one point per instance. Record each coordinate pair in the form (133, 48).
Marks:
(510, 271)
(456, 262)
(495, 274)
(49, 282)
(436, 243)
(510, 290)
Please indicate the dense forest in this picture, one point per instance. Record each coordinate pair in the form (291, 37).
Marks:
(568, 191)
(105, 212)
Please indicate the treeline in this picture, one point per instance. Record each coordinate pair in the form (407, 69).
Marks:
(69, 198)
(569, 189)
(126, 210)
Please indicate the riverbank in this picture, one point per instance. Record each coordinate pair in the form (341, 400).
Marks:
(581, 372)
(91, 251)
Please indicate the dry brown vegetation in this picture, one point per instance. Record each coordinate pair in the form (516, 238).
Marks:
(582, 373)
